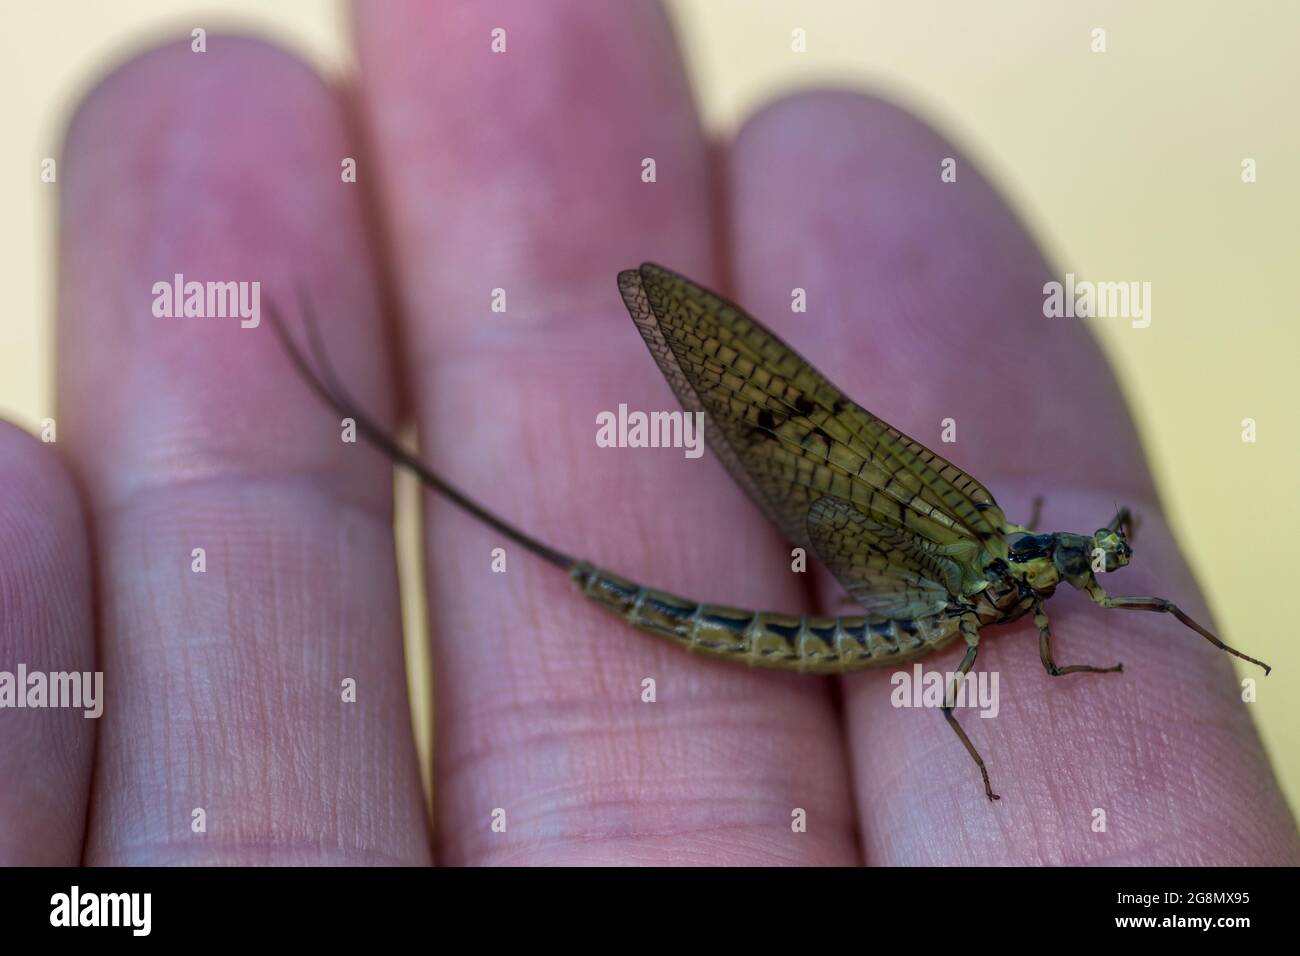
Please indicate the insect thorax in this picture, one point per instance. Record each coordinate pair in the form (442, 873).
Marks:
(1042, 561)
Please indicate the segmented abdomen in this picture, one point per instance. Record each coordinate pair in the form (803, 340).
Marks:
(765, 639)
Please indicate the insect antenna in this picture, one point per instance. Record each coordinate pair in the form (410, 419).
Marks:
(329, 388)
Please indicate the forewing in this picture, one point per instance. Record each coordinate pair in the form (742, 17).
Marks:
(890, 571)
(789, 437)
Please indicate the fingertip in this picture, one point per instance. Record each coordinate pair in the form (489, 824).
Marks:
(854, 116)
(923, 289)
(145, 88)
(35, 480)
(213, 170)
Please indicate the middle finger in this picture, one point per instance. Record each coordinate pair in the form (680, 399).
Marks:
(522, 171)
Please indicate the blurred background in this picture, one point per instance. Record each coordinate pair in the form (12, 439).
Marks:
(1125, 164)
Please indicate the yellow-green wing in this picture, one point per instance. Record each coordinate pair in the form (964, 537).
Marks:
(889, 570)
(789, 437)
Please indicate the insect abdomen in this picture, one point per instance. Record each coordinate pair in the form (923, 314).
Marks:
(761, 638)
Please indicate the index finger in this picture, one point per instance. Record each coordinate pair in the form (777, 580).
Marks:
(925, 304)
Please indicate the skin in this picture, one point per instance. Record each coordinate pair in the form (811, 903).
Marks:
(523, 172)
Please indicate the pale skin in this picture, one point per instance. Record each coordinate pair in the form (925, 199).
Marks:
(522, 172)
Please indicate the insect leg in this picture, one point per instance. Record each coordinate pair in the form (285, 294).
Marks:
(1124, 522)
(1045, 651)
(1168, 607)
(1035, 515)
(972, 636)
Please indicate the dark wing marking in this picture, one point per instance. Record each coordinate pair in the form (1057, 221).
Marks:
(789, 437)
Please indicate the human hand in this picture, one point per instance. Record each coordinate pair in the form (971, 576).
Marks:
(522, 171)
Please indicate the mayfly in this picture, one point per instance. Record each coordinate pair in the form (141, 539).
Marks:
(919, 544)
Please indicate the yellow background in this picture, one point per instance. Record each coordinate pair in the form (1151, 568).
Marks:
(1126, 165)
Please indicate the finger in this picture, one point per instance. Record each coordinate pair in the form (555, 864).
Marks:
(229, 737)
(529, 180)
(925, 304)
(48, 693)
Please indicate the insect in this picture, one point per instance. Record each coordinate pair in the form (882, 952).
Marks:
(921, 546)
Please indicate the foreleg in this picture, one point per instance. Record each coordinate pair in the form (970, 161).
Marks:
(1167, 607)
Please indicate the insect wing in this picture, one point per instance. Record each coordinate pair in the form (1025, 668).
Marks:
(789, 437)
(890, 571)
